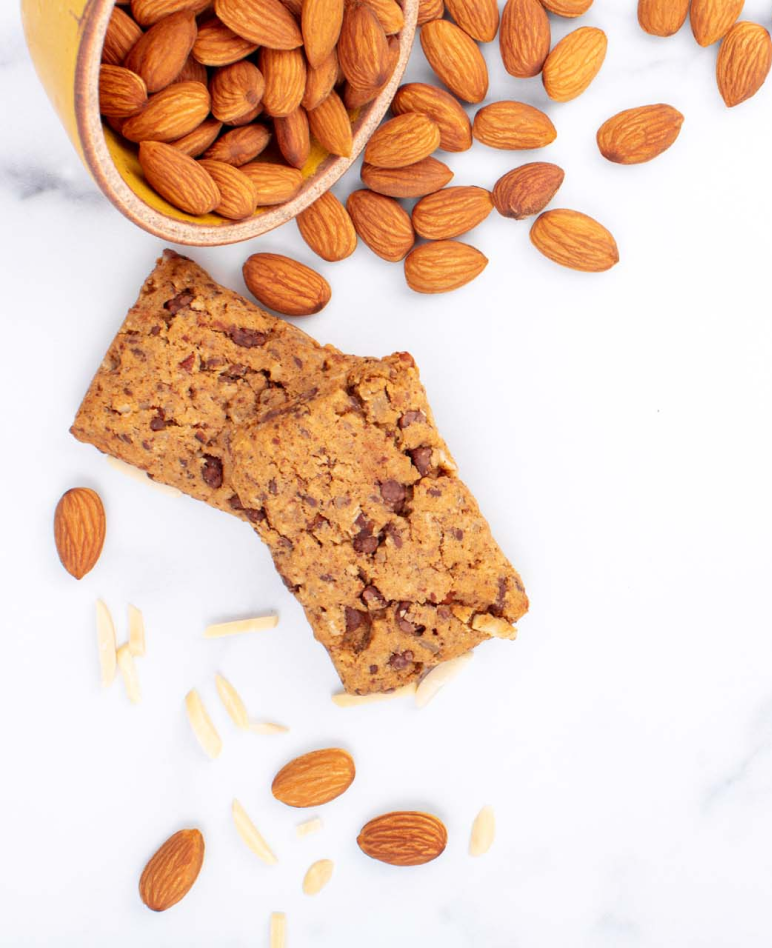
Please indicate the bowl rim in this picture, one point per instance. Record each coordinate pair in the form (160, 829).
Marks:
(190, 233)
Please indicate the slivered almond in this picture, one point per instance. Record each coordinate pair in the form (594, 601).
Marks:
(345, 700)
(331, 127)
(136, 632)
(308, 827)
(239, 626)
(128, 671)
(251, 835)
(483, 832)
(137, 474)
(278, 933)
(231, 699)
(317, 876)
(105, 643)
(438, 677)
(267, 727)
(204, 730)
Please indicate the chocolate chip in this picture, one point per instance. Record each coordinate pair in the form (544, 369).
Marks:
(247, 338)
(502, 594)
(158, 422)
(373, 669)
(396, 536)
(233, 373)
(434, 492)
(443, 612)
(254, 516)
(365, 544)
(358, 630)
(402, 623)
(400, 660)
(200, 436)
(411, 418)
(458, 534)
(298, 362)
(178, 302)
(212, 471)
(155, 330)
(422, 458)
(311, 501)
(372, 597)
(187, 364)
(393, 494)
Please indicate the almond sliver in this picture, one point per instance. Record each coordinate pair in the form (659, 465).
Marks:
(483, 832)
(310, 826)
(267, 727)
(278, 930)
(251, 835)
(136, 632)
(317, 877)
(234, 705)
(128, 673)
(255, 624)
(136, 474)
(201, 723)
(344, 700)
(438, 677)
(105, 643)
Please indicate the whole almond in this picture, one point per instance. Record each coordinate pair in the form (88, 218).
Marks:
(389, 14)
(193, 71)
(451, 212)
(662, 17)
(240, 145)
(403, 838)
(331, 127)
(354, 97)
(160, 54)
(293, 137)
(121, 92)
(424, 177)
(314, 778)
(402, 141)
(122, 33)
(79, 530)
(293, 289)
(363, 48)
(637, 135)
(171, 872)
(478, 18)
(456, 59)
(441, 107)
(382, 223)
(327, 228)
(513, 126)
(443, 266)
(527, 190)
(267, 23)
(285, 80)
(574, 63)
(148, 12)
(238, 197)
(236, 90)
(170, 114)
(274, 183)
(197, 142)
(743, 64)
(320, 23)
(320, 81)
(569, 8)
(574, 240)
(712, 19)
(429, 10)
(524, 37)
(217, 45)
(178, 178)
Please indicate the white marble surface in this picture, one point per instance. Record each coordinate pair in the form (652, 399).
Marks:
(616, 431)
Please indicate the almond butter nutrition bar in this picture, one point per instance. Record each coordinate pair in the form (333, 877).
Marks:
(335, 461)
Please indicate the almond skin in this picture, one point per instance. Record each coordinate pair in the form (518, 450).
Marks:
(121, 92)
(122, 34)
(293, 289)
(382, 223)
(429, 10)
(285, 80)
(148, 12)
(160, 54)
(320, 23)
(424, 177)
(443, 266)
(712, 19)
(239, 146)
(331, 127)
(402, 141)
(171, 872)
(527, 190)
(574, 240)
(451, 212)
(327, 228)
(217, 45)
(320, 81)
(513, 126)
(275, 183)
(363, 48)
(637, 135)
(524, 38)
(178, 178)
(403, 838)
(193, 71)
(478, 18)
(456, 59)
(197, 142)
(293, 137)
(441, 107)
(238, 197)
(662, 17)
(314, 778)
(743, 64)
(266, 23)
(574, 63)
(79, 530)
(236, 90)
(170, 114)
(568, 8)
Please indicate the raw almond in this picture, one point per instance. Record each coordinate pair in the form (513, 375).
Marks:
(314, 778)
(451, 212)
(574, 240)
(238, 197)
(239, 145)
(203, 729)
(320, 81)
(148, 12)
(122, 33)
(193, 71)
(513, 126)
(171, 872)
(429, 10)
(170, 114)
(662, 17)
(456, 59)
(285, 285)
(443, 266)
(389, 14)
(424, 177)
(743, 64)
(527, 190)
(331, 127)
(317, 876)
(382, 223)
(79, 530)
(197, 142)
(121, 92)
(712, 19)
(478, 18)
(275, 183)
(402, 141)
(354, 97)
(569, 8)
(267, 23)
(441, 107)
(403, 838)
(320, 23)
(483, 832)
(160, 54)
(293, 137)
(637, 135)
(295, 7)
(105, 643)
(363, 49)
(524, 38)
(285, 80)
(217, 44)
(574, 63)
(178, 178)
(327, 228)
(236, 90)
